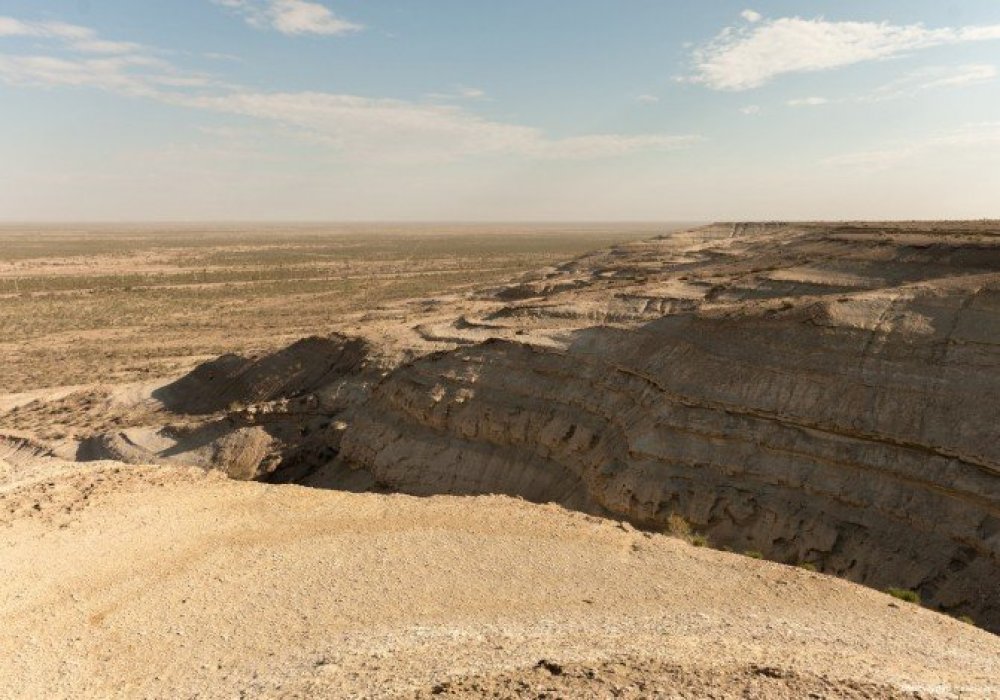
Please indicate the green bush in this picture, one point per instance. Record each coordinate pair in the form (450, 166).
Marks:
(753, 554)
(904, 594)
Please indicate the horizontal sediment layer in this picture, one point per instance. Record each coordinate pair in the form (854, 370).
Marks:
(852, 426)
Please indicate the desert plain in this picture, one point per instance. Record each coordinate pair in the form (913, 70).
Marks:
(517, 460)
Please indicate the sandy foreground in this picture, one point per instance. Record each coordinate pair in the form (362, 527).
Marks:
(170, 582)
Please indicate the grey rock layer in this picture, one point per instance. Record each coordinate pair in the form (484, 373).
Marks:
(832, 398)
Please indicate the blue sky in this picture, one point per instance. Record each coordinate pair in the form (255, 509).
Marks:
(514, 110)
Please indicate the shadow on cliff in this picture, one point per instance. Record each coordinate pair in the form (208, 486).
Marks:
(869, 454)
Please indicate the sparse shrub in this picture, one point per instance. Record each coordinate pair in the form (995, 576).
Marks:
(753, 554)
(808, 566)
(678, 526)
(904, 594)
(967, 620)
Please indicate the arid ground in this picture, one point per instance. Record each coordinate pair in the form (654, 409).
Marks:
(485, 462)
(125, 303)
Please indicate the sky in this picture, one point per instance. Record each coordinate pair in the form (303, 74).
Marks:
(521, 110)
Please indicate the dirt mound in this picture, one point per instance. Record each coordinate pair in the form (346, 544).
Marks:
(240, 450)
(76, 414)
(17, 450)
(24, 461)
(277, 416)
(231, 382)
(116, 447)
(173, 583)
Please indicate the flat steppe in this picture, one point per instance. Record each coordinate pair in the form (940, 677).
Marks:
(112, 304)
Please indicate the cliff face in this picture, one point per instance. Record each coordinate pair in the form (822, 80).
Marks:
(820, 395)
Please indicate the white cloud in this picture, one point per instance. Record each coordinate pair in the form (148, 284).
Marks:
(46, 71)
(933, 78)
(460, 93)
(87, 60)
(292, 17)
(78, 38)
(400, 130)
(354, 126)
(647, 99)
(914, 83)
(751, 16)
(134, 75)
(748, 57)
(15, 27)
(982, 136)
(808, 102)
(219, 56)
(106, 47)
(750, 110)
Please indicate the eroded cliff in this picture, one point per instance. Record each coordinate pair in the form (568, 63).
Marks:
(830, 397)
(821, 393)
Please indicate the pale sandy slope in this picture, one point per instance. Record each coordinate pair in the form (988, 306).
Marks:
(142, 582)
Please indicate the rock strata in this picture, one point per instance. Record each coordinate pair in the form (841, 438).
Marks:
(831, 398)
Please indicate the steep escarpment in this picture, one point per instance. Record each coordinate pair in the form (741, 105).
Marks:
(848, 423)
(821, 393)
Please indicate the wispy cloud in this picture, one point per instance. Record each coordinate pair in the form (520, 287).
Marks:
(741, 58)
(934, 78)
(84, 59)
(647, 99)
(350, 125)
(751, 110)
(291, 17)
(78, 38)
(461, 92)
(808, 101)
(398, 129)
(980, 136)
(913, 84)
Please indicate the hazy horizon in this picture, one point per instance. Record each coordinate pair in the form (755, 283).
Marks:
(328, 111)
(41, 223)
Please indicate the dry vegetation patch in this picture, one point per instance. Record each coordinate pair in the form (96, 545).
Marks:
(116, 304)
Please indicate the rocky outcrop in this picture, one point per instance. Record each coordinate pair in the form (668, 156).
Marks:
(270, 418)
(231, 381)
(842, 414)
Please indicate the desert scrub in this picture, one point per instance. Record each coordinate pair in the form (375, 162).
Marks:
(904, 594)
(753, 554)
(807, 566)
(678, 526)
